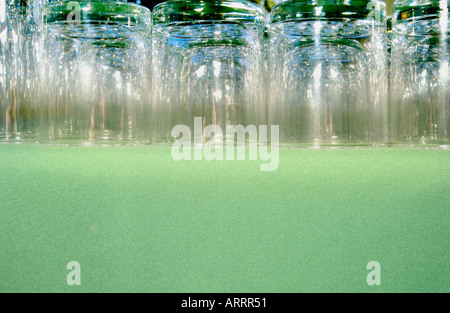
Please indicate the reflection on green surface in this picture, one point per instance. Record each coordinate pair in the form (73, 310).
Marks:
(138, 221)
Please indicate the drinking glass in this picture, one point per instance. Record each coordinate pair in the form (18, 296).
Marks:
(95, 73)
(420, 84)
(17, 71)
(208, 64)
(328, 72)
(5, 61)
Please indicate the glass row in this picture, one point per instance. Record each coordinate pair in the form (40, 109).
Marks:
(329, 73)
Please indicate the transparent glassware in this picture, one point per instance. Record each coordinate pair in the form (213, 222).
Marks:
(328, 73)
(95, 73)
(208, 63)
(420, 84)
(18, 71)
(5, 62)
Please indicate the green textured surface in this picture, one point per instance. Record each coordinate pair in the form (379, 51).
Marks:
(138, 221)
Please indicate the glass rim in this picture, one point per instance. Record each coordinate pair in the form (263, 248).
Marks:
(327, 9)
(409, 10)
(404, 3)
(97, 11)
(200, 10)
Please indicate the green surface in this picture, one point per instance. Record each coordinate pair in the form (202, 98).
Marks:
(138, 221)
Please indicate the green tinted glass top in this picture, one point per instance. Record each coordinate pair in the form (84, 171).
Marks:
(97, 11)
(200, 10)
(312, 9)
(404, 10)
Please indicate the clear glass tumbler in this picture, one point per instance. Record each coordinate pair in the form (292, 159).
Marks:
(18, 32)
(208, 63)
(328, 72)
(420, 82)
(96, 73)
(5, 63)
